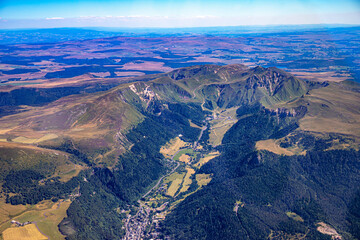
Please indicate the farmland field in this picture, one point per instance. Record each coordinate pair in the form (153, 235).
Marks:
(28, 232)
(187, 181)
(182, 152)
(207, 158)
(46, 214)
(172, 147)
(185, 158)
(174, 186)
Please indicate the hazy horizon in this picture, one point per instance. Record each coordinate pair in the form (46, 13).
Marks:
(174, 14)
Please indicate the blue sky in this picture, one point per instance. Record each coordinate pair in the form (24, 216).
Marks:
(175, 13)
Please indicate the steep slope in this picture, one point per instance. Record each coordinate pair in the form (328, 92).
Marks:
(229, 86)
(107, 115)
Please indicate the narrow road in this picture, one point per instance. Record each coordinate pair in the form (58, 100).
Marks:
(201, 133)
(35, 223)
(157, 184)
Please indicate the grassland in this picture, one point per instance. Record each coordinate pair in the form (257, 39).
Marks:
(26, 140)
(68, 171)
(93, 123)
(193, 124)
(15, 156)
(7, 211)
(272, 146)
(203, 179)
(221, 123)
(294, 216)
(172, 147)
(46, 214)
(331, 109)
(174, 186)
(175, 181)
(28, 232)
(187, 151)
(173, 176)
(207, 158)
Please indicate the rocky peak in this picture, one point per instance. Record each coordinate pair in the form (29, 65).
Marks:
(270, 78)
(189, 72)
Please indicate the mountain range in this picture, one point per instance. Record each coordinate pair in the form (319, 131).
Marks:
(287, 163)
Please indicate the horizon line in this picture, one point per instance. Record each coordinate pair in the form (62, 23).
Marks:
(194, 27)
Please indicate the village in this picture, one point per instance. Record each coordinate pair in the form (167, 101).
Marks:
(171, 189)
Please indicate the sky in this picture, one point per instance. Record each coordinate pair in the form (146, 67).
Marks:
(174, 13)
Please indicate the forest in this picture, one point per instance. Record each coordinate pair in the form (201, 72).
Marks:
(93, 215)
(270, 187)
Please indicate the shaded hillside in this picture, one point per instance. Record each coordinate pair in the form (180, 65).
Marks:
(318, 187)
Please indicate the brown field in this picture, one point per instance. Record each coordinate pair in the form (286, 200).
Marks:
(333, 109)
(331, 76)
(26, 140)
(31, 147)
(207, 158)
(175, 185)
(187, 180)
(125, 74)
(328, 230)
(185, 158)
(46, 214)
(272, 146)
(100, 74)
(203, 179)
(28, 232)
(172, 147)
(147, 66)
(193, 124)
(221, 123)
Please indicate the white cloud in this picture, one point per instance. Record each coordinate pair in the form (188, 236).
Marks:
(54, 18)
